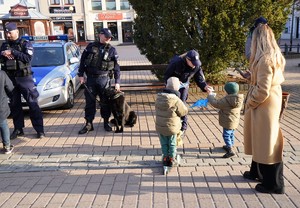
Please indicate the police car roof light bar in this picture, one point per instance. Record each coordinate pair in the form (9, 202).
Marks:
(46, 38)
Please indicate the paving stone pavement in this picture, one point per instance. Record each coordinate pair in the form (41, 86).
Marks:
(104, 169)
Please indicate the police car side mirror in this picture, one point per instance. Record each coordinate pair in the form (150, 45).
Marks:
(74, 60)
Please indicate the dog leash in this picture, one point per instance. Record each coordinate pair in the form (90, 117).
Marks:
(90, 93)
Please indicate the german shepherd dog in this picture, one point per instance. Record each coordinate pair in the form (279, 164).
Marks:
(123, 115)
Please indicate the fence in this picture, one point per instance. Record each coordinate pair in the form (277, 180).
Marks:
(290, 49)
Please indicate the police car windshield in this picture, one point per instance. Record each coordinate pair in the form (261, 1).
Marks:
(50, 56)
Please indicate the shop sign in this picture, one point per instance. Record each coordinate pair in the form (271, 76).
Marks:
(19, 10)
(61, 18)
(110, 16)
(62, 10)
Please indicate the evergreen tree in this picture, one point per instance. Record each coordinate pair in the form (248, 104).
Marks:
(216, 28)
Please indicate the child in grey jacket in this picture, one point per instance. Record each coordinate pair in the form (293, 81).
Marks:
(229, 113)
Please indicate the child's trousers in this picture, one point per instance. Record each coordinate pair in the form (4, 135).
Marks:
(228, 136)
(168, 145)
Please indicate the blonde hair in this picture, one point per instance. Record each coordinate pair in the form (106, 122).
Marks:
(264, 45)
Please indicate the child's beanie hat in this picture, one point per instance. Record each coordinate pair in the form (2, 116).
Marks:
(231, 87)
(173, 83)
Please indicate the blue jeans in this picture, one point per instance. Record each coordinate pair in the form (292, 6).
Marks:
(168, 145)
(5, 133)
(228, 136)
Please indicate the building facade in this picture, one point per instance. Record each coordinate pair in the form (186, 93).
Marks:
(81, 20)
(5, 6)
(117, 15)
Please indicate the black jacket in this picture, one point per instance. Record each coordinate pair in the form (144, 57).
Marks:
(180, 69)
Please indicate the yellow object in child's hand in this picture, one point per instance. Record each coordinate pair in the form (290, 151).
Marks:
(179, 141)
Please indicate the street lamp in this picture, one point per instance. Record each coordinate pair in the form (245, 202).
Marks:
(71, 9)
(292, 28)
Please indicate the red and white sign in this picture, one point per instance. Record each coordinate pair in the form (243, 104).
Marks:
(110, 16)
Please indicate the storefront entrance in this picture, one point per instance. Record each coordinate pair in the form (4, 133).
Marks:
(80, 31)
(127, 32)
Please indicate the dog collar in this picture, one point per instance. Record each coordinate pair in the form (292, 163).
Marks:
(118, 94)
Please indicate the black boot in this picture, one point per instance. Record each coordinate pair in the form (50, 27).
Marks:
(88, 127)
(107, 127)
(16, 133)
(229, 153)
(253, 173)
(273, 179)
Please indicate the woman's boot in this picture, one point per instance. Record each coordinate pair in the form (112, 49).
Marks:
(273, 179)
(253, 174)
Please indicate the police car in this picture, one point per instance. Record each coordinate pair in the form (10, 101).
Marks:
(55, 64)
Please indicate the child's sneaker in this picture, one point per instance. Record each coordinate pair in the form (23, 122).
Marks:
(173, 162)
(8, 149)
(229, 153)
(166, 161)
(226, 148)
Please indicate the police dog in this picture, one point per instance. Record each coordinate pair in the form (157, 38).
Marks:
(123, 115)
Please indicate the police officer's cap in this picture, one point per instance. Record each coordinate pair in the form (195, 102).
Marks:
(106, 32)
(193, 56)
(10, 27)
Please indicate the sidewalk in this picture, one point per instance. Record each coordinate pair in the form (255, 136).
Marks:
(103, 169)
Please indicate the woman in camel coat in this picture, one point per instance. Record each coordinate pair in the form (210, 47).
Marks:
(263, 138)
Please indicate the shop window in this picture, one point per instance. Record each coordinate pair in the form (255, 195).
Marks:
(110, 5)
(69, 2)
(97, 27)
(1, 1)
(114, 30)
(96, 5)
(124, 5)
(55, 2)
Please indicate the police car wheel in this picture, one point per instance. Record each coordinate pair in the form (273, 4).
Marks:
(70, 96)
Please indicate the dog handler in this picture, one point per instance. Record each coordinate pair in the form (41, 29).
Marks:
(99, 62)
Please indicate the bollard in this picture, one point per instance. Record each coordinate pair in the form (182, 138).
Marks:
(285, 49)
(298, 47)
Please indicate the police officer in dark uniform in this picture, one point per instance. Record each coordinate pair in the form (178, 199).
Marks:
(185, 67)
(99, 62)
(16, 55)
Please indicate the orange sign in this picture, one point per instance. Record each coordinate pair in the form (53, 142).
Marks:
(110, 16)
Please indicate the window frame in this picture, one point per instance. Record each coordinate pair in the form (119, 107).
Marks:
(55, 2)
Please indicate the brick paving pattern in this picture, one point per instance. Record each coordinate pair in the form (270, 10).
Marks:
(104, 169)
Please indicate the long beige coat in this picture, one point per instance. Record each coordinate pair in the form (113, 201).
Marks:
(262, 134)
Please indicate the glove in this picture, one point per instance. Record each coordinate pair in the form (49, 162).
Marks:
(117, 87)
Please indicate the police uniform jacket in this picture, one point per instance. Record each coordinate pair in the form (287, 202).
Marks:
(22, 51)
(169, 108)
(6, 88)
(93, 61)
(179, 68)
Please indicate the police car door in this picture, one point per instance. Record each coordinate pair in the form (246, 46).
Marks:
(73, 55)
